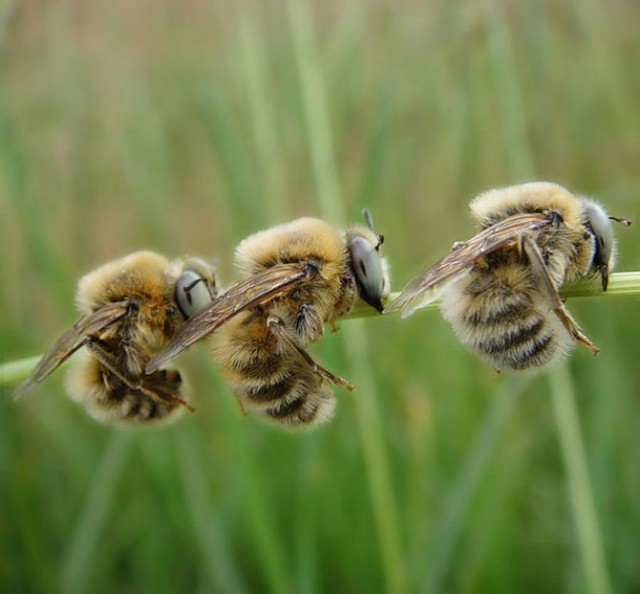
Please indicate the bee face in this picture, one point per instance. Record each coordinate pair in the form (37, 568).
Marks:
(195, 287)
(501, 288)
(599, 225)
(296, 277)
(368, 267)
(130, 307)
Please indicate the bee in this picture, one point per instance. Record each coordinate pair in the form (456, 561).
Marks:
(500, 288)
(296, 277)
(130, 308)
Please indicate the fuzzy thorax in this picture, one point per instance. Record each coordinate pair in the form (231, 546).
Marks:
(495, 205)
(296, 241)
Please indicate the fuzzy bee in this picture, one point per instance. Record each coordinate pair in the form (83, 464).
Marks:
(500, 288)
(296, 277)
(130, 308)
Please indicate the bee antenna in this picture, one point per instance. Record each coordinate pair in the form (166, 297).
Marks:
(625, 222)
(368, 218)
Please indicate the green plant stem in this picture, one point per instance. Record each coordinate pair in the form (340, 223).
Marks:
(216, 551)
(331, 205)
(578, 484)
(93, 519)
(451, 520)
(620, 283)
(14, 371)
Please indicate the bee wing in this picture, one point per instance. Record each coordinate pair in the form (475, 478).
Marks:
(242, 295)
(94, 323)
(425, 288)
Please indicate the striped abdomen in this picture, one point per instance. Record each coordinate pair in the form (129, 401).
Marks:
(267, 377)
(107, 398)
(500, 315)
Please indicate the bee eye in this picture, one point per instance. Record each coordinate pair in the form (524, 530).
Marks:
(192, 293)
(599, 226)
(369, 273)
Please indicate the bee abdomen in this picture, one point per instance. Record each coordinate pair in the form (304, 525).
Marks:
(497, 318)
(530, 345)
(269, 381)
(269, 392)
(298, 399)
(268, 378)
(143, 409)
(509, 310)
(107, 398)
(308, 408)
(261, 379)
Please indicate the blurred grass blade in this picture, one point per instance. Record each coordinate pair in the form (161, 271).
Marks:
(522, 167)
(316, 112)
(447, 531)
(14, 371)
(256, 502)
(215, 549)
(93, 519)
(306, 558)
(371, 432)
(263, 122)
(578, 483)
(330, 203)
(379, 148)
(507, 91)
(6, 14)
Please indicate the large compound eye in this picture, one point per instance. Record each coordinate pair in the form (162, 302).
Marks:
(367, 266)
(600, 225)
(192, 293)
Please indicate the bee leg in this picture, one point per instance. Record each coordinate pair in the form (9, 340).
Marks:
(242, 408)
(334, 326)
(539, 269)
(163, 385)
(308, 323)
(276, 325)
(106, 357)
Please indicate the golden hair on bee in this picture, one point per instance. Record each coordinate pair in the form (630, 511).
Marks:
(500, 289)
(296, 277)
(130, 308)
(498, 204)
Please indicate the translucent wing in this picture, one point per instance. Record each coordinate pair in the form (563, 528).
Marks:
(245, 294)
(425, 288)
(91, 324)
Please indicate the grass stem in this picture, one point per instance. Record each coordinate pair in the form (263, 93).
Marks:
(620, 283)
(331, 206)
(478, 455)
(94, 518)
(578, 483)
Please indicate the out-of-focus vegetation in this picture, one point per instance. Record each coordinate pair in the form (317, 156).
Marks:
(184, 126)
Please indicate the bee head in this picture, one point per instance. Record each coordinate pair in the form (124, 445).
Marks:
(369, 267)
(195, 288)
(599, 225)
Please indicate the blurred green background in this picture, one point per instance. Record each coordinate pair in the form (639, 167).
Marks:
(184, 126)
